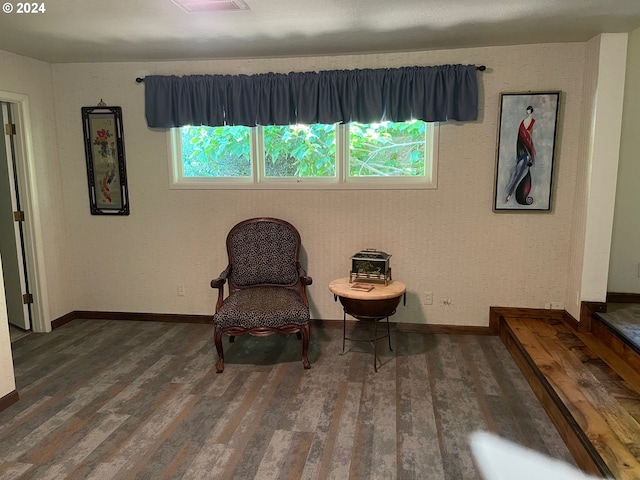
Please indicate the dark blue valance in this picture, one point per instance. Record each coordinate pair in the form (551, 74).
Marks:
(432, 94)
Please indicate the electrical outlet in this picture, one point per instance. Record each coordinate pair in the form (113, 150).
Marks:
(181, 290)
(557, 305)
(427, 298)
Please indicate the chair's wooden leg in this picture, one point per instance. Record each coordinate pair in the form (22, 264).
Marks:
(232, 338)
(306, 333)
(298, 335)
(217, 339)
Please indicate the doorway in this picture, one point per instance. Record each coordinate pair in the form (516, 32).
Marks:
(12, 234)
(24, 178)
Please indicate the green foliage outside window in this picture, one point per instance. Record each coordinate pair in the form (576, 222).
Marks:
(392, 149)
(300, 151)
(216, 151)
(375, 150)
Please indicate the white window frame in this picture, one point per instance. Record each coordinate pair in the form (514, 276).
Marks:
(342, 181)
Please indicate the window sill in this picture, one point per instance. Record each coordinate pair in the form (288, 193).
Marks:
(302, 185)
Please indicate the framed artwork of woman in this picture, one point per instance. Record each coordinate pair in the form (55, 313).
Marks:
(526, 150)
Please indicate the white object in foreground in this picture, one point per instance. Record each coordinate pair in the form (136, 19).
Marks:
(500, 459)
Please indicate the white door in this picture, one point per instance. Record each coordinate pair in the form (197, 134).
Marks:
(11, 226)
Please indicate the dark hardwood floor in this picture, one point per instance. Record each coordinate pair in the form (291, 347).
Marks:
(137, 399)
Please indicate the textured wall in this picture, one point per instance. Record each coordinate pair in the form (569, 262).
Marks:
(604, 138)
(578, 228)
(32, 79)
(624, 275)
(447, 240)
(7, 379)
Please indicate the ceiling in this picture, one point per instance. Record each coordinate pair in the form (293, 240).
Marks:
(150, 30)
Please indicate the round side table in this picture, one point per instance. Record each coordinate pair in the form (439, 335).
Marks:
(372, 302)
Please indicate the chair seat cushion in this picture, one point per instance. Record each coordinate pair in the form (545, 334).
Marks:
(262, 307)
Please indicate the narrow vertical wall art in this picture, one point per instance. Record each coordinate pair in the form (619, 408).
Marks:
(106, 171)
(526, 150)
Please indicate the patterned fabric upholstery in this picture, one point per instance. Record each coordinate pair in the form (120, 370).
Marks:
(263, 253)
(262, 307)
(266, 285)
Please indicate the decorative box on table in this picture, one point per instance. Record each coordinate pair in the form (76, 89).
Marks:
(370, 265)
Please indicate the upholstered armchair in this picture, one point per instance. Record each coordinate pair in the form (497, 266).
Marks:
(266, 285)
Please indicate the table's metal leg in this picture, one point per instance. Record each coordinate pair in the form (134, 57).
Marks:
(344, 328)
(356, 310)
(375, 346)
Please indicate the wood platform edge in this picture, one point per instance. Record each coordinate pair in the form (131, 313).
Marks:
(604, 332)
(618, 297)
(585, 455)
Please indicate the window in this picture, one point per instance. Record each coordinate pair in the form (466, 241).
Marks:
(377, 155)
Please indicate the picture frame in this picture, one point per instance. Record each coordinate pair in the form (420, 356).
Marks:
(106, 169)
(527, 130)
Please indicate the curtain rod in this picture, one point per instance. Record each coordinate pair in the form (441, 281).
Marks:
(481, 68)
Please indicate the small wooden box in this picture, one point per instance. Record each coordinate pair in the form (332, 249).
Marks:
(370, 265)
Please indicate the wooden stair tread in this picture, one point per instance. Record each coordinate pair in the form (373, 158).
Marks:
(599, 390)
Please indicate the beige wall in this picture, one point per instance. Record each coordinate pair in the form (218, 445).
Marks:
(7, 379)
(447, 240)
(604, 138)
(600, 133)
(581, 191)
(624, 273)
(29, 82)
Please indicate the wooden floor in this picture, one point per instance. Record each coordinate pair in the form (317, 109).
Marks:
(624, 320)
(16, 333)
(127, 399)
(592, 395)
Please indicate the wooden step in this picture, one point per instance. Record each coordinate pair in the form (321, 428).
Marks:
(614, 339)
(590, 393)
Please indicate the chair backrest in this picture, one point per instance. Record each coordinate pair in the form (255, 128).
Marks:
(263, 251)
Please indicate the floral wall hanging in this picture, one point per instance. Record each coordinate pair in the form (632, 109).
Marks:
(106, 171)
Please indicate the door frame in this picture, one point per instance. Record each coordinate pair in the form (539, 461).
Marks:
(27, 186)
(19, 311)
